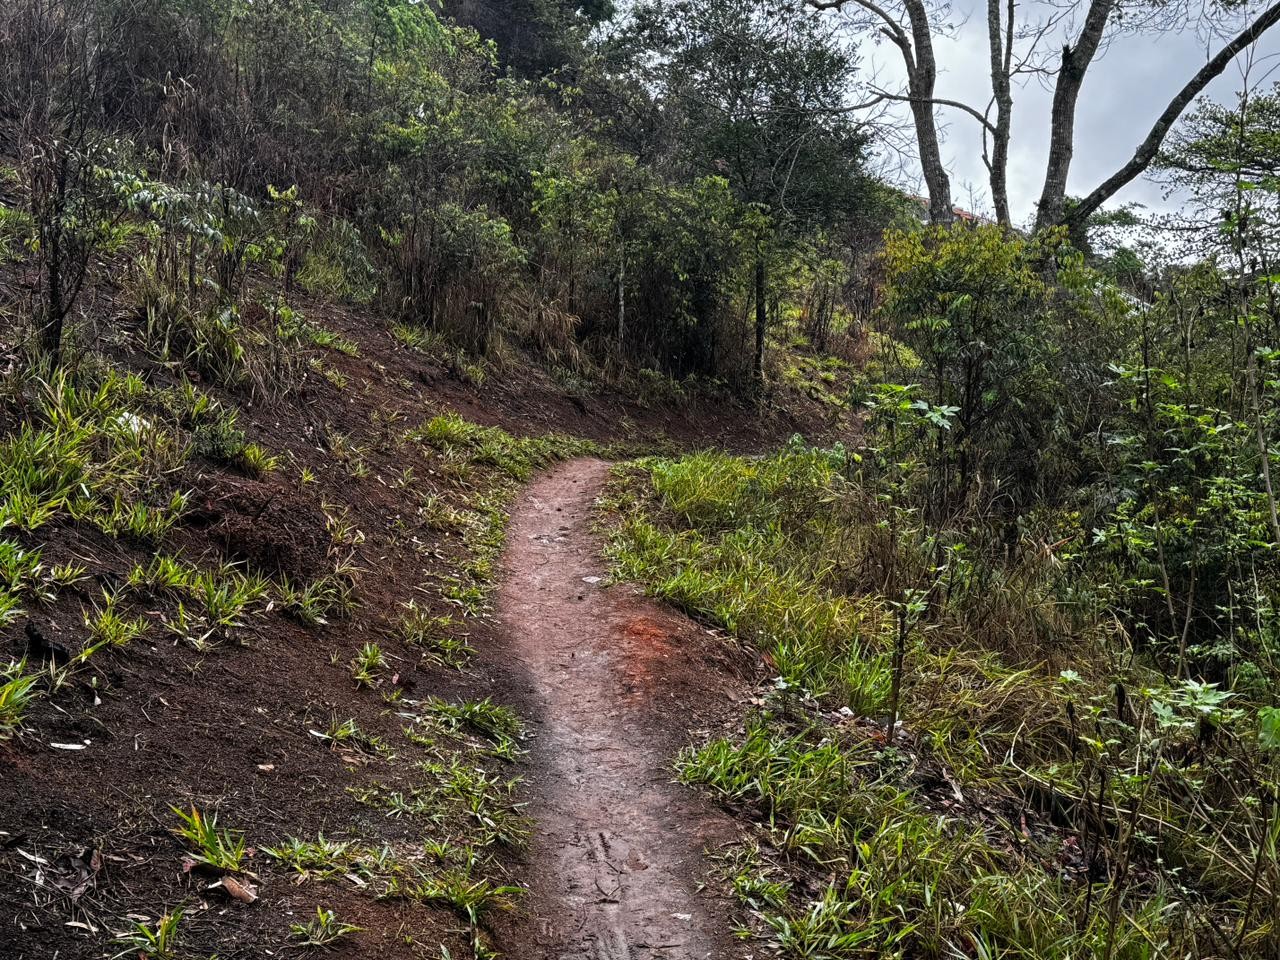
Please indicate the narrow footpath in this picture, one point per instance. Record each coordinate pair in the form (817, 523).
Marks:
(616, 684)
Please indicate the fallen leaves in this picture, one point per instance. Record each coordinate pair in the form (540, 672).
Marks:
(240, 890)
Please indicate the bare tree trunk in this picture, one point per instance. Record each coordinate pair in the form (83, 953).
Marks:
(922, 77)
(54, 306)
(1066, 94)
(908, 28)
(622, 298)
(762, 318)
(1150, 146)
(1001, 43)
(895, 682)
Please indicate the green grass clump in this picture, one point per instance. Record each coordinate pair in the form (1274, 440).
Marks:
(221, 441)
(158, 943)
(714, 489)
(109, 627)
(17, 693)
(347, 733)
(222, 850)
(227, 596)
(436, 636)
(903, 880)
(496, 723)
(315, 602)
(419, 339)
(323, 930)
(470, 896)
(319, 859)
(212, 604)
(739, 565)
(20, 569)
(368, 664)
(517, 457)
(95, 453)
(802, 555)
(330, 340)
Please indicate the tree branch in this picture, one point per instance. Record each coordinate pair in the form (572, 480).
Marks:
(892, 28)
(1150, 146)
(937, 102)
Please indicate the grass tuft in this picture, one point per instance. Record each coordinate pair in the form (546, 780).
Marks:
(222, 850)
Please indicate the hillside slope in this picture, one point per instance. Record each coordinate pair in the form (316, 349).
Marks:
(274, 612)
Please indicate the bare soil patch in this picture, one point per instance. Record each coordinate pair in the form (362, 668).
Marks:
(616, 685)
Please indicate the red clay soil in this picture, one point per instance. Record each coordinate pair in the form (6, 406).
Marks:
(229, 728)
(616, 684)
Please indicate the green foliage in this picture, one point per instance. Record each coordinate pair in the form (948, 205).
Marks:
(779, 107)
(17, 693)
(905, 880)
(337, 265)
(323, 930)
(221, 441)
(319, 859)
(824, 560)
(460, 201)
(1224, 157)
(220, 850)
(160, 943)
(972, 305)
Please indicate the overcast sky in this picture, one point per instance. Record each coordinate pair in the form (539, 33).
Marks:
(1123, 94)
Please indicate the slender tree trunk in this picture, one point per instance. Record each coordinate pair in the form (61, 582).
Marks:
(922, 77)
(1001, 43)
(762, 317)
(895, 676)
(1150, 146)
(1066, 94)
(1264, 449)
(622, 299)
(54, 309)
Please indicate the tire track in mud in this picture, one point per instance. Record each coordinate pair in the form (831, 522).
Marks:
(616, 683)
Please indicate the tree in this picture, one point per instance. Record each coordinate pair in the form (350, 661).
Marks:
(974, 308)
(50, 94)
(907, 25)
(1225, 157)
(1014, 48)
(755, 92)
(533, 36)
(1075, 62)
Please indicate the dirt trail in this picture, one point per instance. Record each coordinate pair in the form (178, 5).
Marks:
(615, 685)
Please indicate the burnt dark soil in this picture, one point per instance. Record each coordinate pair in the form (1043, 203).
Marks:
(86, 835)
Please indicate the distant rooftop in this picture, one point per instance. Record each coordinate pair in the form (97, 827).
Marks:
(961, 214)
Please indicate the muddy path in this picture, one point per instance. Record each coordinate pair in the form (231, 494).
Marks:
(614, 684)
